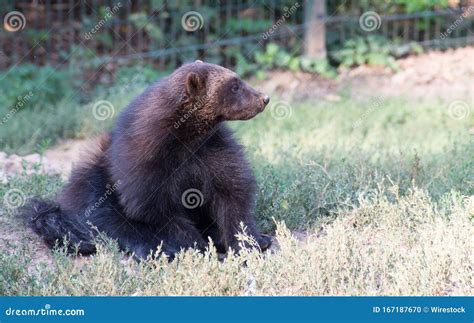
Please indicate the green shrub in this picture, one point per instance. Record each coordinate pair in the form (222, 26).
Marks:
(36, 103)
(276, 57)
(389, 7)
(47, 83)
(372, 50)
(138, 75)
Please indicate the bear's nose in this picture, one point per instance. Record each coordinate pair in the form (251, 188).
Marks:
(266, 99)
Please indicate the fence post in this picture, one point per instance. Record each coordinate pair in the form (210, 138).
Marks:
(315, 29)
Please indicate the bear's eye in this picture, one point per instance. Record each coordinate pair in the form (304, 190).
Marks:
(235, 88)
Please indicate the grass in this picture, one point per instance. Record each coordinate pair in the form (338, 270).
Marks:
(65, 119)
(316, 161)
(51, 105)
(383, 197)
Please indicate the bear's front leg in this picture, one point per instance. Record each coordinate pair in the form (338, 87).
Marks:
(230, 210)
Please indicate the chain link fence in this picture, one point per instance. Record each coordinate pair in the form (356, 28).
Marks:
(168, 33)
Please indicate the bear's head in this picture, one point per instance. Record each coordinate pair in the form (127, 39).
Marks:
(219, 93)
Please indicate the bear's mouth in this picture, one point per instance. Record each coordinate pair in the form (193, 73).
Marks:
(250, 114)
(258, 110)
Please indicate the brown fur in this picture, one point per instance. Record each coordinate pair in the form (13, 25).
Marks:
(168, 140)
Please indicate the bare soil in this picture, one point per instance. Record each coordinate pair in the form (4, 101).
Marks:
(447, 75)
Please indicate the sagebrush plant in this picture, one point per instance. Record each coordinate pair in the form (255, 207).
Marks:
(381, 200)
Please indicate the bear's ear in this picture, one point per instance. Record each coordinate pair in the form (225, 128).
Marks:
(194, 83)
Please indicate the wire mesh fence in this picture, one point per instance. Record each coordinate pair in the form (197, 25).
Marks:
(168, 33)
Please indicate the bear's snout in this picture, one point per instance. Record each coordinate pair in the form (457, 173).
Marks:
(266, 99)
(263, 103)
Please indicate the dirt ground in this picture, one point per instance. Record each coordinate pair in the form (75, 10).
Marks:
(437, 74)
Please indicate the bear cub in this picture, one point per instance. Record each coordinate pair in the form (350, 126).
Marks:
(170, 172)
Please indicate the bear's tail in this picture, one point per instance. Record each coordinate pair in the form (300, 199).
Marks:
(55, 226)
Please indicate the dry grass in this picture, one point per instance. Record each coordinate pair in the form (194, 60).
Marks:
(410, 246)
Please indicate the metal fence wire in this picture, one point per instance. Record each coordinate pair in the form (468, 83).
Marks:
(168, 33)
